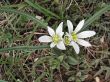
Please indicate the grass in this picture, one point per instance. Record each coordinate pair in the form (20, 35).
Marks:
(24, 59)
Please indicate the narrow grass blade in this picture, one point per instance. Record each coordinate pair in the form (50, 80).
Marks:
(24, 48)
(23, 13)
(42, 9)
(15, 5)
(96, 16)
(3, 81)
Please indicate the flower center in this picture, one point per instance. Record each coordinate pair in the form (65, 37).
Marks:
(56, 38)
(74, 36)
(66, 40)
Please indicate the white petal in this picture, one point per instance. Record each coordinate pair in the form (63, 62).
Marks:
(75, 46)
(86, 34)
(70, 26)
(83, 43)
(79, 26)
(51, 31)
(45, 38)
(52, 45)
(61, 34)
(59, 29)
(61, 45)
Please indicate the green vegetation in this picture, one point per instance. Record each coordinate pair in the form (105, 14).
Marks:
(24, 59)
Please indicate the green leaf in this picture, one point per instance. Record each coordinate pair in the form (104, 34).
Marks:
(3, 81)
(60, 58)
(96, 16)
(24, 48)
(19, 6)
(41, 9)
(55, 64)
(72, 60)
(65, 65)
(25, 14)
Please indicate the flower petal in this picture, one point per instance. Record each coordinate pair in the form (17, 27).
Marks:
(52, 45)
(75, 46)
(83, 43)
(59, 29)
(50, 31)
(70, 26)
(45, 38)
(61, 46)
(86, 34)
(61, 34)
(79, 26)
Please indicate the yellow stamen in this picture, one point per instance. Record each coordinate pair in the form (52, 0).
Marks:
(56, 38)
(74, 36)
(66, 40)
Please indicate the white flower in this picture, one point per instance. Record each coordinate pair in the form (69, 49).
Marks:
(74, 37)
(55, 37)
